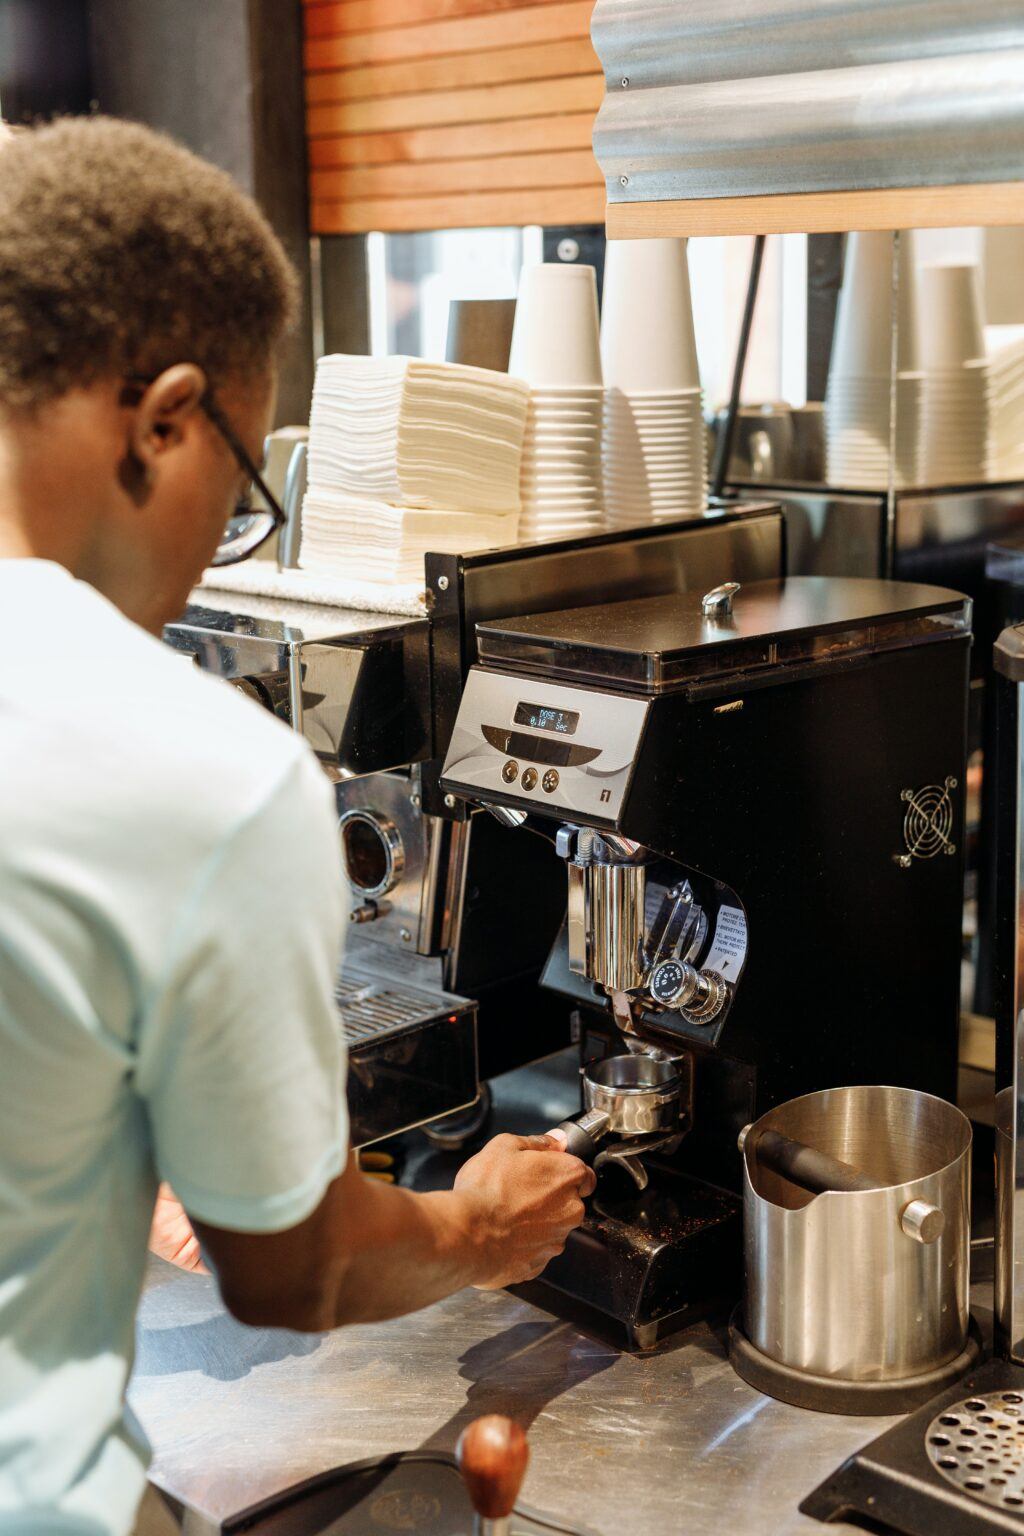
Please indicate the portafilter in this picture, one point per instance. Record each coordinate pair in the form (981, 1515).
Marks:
(627, 1096)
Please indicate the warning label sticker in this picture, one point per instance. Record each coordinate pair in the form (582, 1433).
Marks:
(729, 946)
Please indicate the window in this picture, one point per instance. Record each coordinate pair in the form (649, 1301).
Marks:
(413, 277)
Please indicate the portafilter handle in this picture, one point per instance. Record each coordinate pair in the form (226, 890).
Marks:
(492, 1454)
(583, 1134)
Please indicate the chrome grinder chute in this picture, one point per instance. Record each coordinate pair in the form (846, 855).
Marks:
(611, 941)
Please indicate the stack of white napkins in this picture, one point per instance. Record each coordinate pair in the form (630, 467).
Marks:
(407, 456)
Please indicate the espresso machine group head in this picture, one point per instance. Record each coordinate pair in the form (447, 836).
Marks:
(756, 794)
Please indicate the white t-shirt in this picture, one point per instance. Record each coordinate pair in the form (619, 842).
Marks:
(170, 920)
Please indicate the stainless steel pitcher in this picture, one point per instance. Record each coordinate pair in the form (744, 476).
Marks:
(843, 1284)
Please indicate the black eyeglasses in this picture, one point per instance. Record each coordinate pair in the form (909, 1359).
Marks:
(248, 527)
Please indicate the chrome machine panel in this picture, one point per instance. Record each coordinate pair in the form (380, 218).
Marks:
(546, 747)
(324, 672)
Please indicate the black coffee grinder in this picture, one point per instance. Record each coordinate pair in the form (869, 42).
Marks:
(758, 796)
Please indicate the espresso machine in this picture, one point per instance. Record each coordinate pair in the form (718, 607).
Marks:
(453, 914)
(754, 794)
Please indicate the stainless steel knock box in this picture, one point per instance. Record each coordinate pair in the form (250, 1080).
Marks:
(857, 1296)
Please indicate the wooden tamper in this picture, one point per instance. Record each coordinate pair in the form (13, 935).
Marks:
(492, 1454)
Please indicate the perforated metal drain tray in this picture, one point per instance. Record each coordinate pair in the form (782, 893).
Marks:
(411, 1045)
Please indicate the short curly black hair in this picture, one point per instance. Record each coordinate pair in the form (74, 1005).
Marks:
(121, 252)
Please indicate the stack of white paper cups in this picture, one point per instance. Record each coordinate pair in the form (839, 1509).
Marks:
(556, 349)
(957, 406)
(858, 401)
(655, 446)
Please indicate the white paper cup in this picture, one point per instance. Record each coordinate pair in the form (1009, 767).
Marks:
(543, 427)
(653, 501)
(565, 516)
(539, 453)
(555, 339)
(582, 462)
(654, 405)
(567, 416)
(544, 527)
(653, 432)
(649, 485)
(862, 341)
(950, 326)
(622, 464)
(623, 468)
(566, 490)
(664, 442)
(570, 430)
(570, 406)
(643, 495)
(669, 427)
(647, 340)
(559, 480)
(562, 501)
(572, 490)
(566, 524)
(653, 427)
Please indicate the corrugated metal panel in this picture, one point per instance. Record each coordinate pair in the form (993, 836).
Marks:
(743, 98)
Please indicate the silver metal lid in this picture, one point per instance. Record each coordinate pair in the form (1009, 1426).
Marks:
(652, 644)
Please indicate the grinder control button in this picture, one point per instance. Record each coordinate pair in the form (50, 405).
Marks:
(549, 782)
(510, 772)
(529, 779)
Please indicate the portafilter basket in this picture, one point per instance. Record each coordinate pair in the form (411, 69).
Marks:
(633, 1095)
(639, 1094)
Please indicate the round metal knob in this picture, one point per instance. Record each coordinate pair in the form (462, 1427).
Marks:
(923, 1222)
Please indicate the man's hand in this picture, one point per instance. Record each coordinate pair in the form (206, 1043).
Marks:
(171, 1236)
(372, 1251)
(527, 1196)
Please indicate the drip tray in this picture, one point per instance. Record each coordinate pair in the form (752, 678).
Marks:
(411, 1493)
(370, 1009)
(978, 1445)
(411, 1045)
(955, 1466)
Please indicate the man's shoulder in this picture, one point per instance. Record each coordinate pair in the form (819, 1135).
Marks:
(206, 743)
(151, 731)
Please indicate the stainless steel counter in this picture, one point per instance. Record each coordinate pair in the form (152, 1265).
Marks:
(620, 1445)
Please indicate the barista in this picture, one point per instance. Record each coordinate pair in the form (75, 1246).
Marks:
(170, 905)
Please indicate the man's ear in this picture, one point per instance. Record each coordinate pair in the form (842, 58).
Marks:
(158, 421)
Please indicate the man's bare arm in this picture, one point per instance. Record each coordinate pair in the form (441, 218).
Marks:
(372, 1251)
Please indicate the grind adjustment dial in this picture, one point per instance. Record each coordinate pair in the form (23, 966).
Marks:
(699, 996)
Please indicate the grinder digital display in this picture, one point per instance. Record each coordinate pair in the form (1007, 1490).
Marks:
(543, 718)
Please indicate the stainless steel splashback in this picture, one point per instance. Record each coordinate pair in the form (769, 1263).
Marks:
(835, 532)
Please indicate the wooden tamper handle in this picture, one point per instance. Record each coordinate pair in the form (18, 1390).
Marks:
(492, 1454)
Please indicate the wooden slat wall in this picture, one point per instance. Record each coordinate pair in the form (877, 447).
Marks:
(441, 114)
